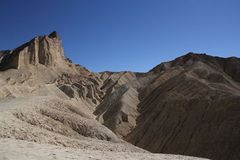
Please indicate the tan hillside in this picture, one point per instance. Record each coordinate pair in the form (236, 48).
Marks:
(187, 106)
(52, 108)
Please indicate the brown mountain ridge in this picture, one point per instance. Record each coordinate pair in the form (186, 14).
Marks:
(187, 106)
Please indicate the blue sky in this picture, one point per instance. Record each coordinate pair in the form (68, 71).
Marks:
(120, 35)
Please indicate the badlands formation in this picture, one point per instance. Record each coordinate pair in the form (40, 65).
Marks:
(51, 108)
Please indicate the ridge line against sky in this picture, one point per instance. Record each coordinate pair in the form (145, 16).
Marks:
(118, 35)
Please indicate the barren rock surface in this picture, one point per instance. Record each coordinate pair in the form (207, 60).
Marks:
(51, 108)
(192, 110)
(186, 106)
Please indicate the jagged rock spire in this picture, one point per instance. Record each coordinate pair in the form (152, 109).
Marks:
(54, 34)
(42, 50)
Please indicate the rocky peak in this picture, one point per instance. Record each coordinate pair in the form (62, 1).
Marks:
(192, 57)
(42, 50)
(54, 34)
(185, 60)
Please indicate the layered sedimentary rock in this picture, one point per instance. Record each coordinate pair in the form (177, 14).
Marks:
(118, 110)
(45, 50)
(45, 98)
(186, 106)
(191, 108)
(41, 61)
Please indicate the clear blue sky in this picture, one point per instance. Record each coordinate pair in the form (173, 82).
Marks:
(125, 34)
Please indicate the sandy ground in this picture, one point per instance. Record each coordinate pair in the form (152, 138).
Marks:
(33, 126)
(27, 134)
(11, 149)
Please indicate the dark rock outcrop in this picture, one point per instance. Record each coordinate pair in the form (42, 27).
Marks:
(185, 106)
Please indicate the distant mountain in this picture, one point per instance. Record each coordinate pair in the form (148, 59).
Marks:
(187, 106)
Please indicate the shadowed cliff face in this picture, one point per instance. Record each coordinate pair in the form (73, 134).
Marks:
(186, 106)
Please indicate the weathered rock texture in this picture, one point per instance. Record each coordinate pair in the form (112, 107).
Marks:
(44, 50)
(186, 106)
(45, 98)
